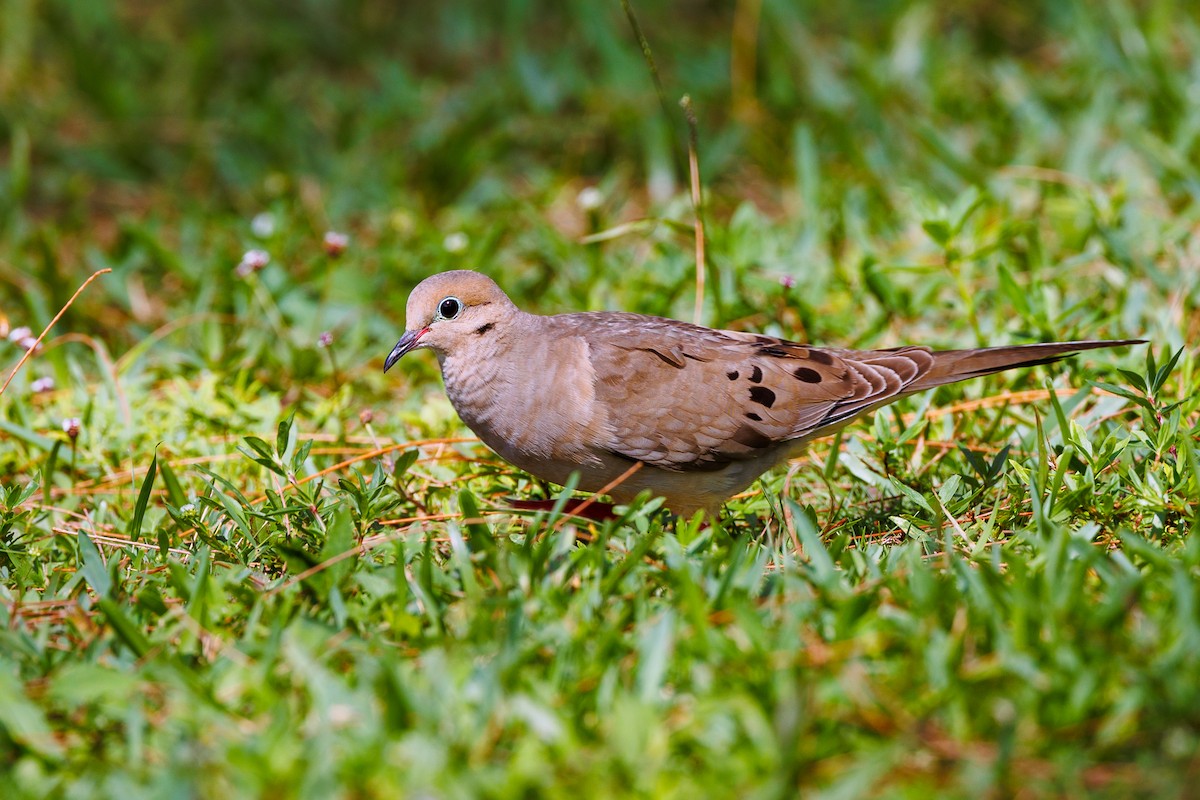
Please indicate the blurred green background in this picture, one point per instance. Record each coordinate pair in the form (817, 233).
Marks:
(959, 599)
(397, 121)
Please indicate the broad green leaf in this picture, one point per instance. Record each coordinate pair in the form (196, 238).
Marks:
(92, 565)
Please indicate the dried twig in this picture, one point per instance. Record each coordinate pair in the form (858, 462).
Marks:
(33, 347)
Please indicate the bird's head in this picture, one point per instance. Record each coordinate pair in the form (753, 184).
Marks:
(447, 310)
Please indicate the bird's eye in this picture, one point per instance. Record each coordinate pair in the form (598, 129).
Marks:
(449, 308)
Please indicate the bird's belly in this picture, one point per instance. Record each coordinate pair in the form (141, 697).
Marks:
(542, 464)
(685, 491)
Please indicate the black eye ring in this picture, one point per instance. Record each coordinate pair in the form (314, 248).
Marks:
(450, 308)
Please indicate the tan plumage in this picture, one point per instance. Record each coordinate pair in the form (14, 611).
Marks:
(704, 411)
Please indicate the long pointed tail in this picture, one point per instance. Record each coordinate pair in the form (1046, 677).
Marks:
(950, 366)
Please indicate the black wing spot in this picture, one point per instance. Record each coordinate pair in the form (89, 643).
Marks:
(484, 328)
(808, 375)
(756, 374)
(762, 395)
(732, 374)
(821, 357)
(753, 416)
(777, 352)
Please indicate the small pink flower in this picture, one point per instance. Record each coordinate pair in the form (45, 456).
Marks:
(787, 281)
(366, 416)
(252, 261)
(325, 339)
(41, 385)
(71, 426)
(17, 335)
(335, 243)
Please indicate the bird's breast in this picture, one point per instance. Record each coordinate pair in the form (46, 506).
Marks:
(532, 401)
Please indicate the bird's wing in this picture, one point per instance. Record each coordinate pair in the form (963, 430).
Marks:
(683, 397)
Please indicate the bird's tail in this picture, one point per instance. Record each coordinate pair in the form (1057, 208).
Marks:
(950, 366)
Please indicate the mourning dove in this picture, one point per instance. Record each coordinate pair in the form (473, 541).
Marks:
(703, 412)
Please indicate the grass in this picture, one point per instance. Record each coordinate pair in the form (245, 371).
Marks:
(263, 568)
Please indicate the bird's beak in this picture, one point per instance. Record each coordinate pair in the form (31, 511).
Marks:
(407, 342)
